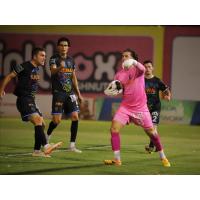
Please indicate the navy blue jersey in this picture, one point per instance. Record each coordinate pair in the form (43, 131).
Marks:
(62, 81)
(28, 77)
(152, 88)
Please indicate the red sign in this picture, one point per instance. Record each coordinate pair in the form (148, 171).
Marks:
(97, 57)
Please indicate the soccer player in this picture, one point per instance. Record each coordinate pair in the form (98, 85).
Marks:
(153, 85)
(25, 90)
(64, 87)
(133, 107)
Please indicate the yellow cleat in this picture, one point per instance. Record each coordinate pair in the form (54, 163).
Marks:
(52, 147)
(166, 163)
(113, 162)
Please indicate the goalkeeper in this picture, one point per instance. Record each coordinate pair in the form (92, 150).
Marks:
(133, 107)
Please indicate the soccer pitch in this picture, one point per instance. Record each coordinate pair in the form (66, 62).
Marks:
(181, 143)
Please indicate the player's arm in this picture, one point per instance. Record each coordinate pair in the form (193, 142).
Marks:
(166, 94)
(5, 81)
(130, 63)
(55, 69)
(76, 88)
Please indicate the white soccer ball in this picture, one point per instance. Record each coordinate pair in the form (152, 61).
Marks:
(128, 63)
(114, 88)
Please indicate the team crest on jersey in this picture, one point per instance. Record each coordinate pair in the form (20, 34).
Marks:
(34, 75)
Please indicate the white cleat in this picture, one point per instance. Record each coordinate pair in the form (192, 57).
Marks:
(74, 149)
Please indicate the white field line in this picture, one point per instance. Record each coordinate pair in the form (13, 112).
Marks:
(86, 148)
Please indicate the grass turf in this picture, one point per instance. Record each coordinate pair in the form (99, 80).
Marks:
(181, 144)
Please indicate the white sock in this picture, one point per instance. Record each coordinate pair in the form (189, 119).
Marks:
(46, 146)
(117, 155)
(37, 151)
(72, 144)
(48, 138)
(162, 154)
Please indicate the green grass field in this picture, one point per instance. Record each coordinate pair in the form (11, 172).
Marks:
(181, 142)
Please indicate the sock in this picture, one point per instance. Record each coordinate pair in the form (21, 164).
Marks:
(52, 126)
(41, 136)
(156, 140)
(74, 129)
(151, 144)
(72, 144)
(162, 154)
(117, 155)
(115, 142)
(38, 143)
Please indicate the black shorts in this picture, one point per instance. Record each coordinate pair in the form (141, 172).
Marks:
(63, 103)
(27, 106)
(155, 116)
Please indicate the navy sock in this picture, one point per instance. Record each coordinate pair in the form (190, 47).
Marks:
(38, 143)
(40, 134)
(52, 126)
(151, 144)
(74, 129)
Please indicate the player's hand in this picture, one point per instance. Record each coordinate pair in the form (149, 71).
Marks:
(2, 93)
(127, 64)
(80, 99)
(166, 97)
(62, 65)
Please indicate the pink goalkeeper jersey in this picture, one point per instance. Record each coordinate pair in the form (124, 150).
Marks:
(134, 96)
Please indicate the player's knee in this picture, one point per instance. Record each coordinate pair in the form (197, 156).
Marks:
(74, 116)
(150, 131)
(37, 120)
(114, 129)
(56, 120)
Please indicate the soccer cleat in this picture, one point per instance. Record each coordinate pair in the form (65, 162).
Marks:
(52, 147)
(165, 162)
(149, 149)
(40, 154)
(113, 162)
(74, 149)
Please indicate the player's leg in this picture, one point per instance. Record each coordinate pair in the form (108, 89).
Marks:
(71, 108)
(56, 119)
(150, 148)
(74, 131)
(154, 137)
(156, 140)
(155, 115)
(40, 139)
(119, 121)
(57, 110)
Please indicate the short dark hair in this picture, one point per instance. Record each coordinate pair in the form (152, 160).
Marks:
(36, 50)
(147, 61)
(63, 39)
(133, 54)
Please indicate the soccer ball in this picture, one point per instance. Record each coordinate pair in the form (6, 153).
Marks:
(114, 88)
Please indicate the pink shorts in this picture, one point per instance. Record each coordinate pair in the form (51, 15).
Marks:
(139, 118)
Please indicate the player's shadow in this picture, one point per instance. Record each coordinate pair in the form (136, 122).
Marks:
(35, 172)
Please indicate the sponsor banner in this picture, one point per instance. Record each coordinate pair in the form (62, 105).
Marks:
(177, 112)
(97, 57)
(44, 102)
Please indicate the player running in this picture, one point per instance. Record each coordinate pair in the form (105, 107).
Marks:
(64, 87)
(153, 85)
(133, 107)
(25, 90)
